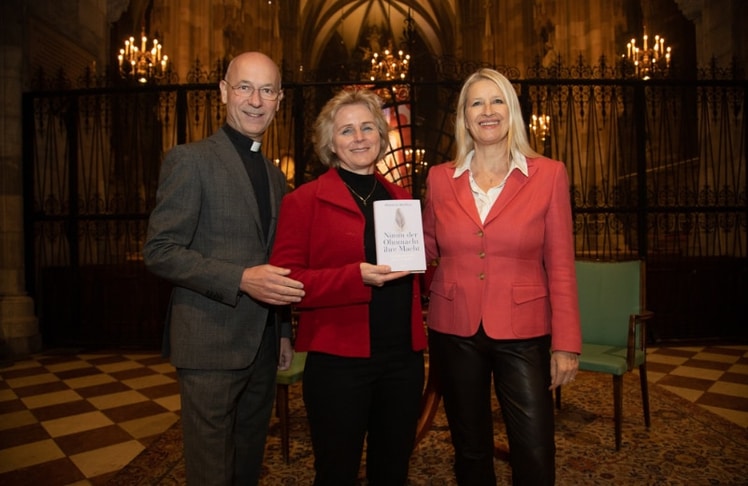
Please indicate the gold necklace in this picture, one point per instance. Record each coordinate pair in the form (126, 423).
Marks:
(364, 200)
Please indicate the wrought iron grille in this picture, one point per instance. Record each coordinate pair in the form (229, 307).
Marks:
(658, 168)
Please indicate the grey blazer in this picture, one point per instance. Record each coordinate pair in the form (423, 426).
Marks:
(202, 234)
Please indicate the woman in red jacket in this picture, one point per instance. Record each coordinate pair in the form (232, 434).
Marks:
(361, 323)
(498, 224)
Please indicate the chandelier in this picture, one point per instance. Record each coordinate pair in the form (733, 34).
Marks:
(540, 126)
(648, 60)
(389, 66)
(141, 64)
(418, 157)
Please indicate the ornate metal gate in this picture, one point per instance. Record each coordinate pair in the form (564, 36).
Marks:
(658, 170)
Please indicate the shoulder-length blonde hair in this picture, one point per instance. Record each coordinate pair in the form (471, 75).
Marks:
(517, 136)
(323, 126)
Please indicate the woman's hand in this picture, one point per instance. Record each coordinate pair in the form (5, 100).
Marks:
(286, 354)
(378, 275)
(564, 367)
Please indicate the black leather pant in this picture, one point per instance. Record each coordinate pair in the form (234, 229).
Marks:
(521, 374)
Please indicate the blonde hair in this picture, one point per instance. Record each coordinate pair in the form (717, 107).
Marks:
(517, 136)
(323, 126)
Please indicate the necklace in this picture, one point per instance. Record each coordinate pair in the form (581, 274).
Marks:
(363, 199)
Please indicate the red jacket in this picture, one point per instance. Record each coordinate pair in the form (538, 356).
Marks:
(515, 272)
(320, 237)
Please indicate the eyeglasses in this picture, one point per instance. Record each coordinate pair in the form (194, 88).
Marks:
(244, 90)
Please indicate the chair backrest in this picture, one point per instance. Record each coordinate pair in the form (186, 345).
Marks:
(609, 292)
(294, 373)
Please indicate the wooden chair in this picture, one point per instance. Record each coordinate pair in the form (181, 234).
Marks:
(613, 313)
(283, 379)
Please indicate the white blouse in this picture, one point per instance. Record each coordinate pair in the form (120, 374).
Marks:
(484, 200)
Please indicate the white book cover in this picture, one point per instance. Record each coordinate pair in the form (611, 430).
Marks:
(398, 230)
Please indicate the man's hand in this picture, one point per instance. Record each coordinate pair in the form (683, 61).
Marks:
(269, 284)
(564, 367)
(286, 354)
(378, 275)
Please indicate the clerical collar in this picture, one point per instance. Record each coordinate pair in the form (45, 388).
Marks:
(240, 140)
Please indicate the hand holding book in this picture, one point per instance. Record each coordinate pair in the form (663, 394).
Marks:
(398, 230)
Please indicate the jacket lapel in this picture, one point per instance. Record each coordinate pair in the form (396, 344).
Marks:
(231, 159)
(464, 195)
(514, 184)
(332, 190)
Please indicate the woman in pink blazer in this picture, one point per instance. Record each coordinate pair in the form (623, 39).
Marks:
(503, 299)
(360, 322)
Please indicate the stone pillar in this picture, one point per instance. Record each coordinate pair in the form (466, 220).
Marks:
(19, 327)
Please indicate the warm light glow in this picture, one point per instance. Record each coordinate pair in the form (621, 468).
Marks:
(389, 66)
(540, 126)
(140, 63)
(648, 60)
(418, 157)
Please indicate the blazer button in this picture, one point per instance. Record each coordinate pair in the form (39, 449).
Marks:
(482, 254)
(480, 233)
(482, 276)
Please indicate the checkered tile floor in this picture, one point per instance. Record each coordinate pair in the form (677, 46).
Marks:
(713, 377)
(73, 418)
(77, 418)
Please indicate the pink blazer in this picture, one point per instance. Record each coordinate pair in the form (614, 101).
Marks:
(515, 272)
(320, 237)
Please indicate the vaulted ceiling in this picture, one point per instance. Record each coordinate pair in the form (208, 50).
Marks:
(354, 21)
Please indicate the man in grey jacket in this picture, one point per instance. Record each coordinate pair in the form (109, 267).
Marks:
(210, 234)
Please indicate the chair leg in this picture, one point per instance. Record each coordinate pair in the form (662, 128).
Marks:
(618, 407)
(281, 398)
(645, 392)
(429, 406)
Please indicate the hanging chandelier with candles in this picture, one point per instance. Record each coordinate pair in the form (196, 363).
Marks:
(140, 63)
(649, 60)
(540, 126)
(389, 66)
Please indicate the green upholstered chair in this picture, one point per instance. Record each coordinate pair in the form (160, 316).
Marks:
(283, 379)
(613, 314)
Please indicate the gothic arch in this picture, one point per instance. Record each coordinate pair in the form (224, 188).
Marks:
(350, 22)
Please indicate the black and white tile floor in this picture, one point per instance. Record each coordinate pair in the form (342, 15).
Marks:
(76, 418)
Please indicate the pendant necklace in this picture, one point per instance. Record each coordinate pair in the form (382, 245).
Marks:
(363, 200)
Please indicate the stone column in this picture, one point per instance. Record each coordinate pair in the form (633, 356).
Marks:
(19, 327)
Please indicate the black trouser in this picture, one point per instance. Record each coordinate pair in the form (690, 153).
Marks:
(349, 399)
(521, 373)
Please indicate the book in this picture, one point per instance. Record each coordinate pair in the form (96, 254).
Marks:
(398, 231)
